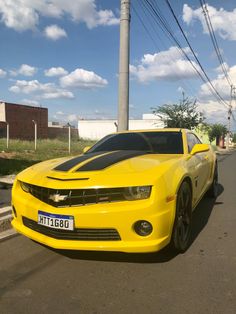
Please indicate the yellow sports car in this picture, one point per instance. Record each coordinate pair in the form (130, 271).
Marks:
(132, 191)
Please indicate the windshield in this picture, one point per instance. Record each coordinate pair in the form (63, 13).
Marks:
(153, 142)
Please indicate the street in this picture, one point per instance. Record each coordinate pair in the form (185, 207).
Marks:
(36, 279)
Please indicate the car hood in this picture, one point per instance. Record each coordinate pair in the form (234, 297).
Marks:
(119, 168)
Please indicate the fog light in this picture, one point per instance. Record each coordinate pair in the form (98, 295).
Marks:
(143, 228)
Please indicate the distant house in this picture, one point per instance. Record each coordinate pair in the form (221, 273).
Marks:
(20, 119)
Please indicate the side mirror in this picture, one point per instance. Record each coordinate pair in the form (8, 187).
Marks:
(86, 148)
(199, 148)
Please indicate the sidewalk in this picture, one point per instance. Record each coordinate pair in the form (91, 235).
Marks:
(7, 181)
(224, 151)
(6, 230)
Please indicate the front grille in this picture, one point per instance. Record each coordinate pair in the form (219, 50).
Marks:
(81, 234)
(76, 197)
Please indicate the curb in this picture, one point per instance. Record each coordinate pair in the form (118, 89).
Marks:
(8, 234)
(6, 230)
(5, 222)
(6, 182)
(5, 211)
(225, 151)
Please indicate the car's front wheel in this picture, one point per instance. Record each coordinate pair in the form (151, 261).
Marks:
(181, 232)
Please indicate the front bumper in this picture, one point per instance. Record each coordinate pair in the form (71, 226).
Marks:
(120, 216)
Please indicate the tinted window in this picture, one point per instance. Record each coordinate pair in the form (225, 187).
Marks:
(192, 140)
(155, 142)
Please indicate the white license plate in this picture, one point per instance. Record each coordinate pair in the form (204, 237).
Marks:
(55, 221)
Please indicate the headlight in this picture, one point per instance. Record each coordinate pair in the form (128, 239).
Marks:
(25, 187)
(137, 192)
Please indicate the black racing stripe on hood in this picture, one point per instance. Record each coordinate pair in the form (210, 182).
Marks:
(105, 161)
(69, 164)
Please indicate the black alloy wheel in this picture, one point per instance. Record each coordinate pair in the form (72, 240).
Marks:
(183, 219)
(213, 190)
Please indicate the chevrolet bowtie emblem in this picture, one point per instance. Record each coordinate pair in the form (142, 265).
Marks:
(58, 198)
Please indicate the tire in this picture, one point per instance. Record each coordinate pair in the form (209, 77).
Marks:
(213, 190)
(181, 233)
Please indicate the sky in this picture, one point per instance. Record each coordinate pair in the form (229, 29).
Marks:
(64, 55)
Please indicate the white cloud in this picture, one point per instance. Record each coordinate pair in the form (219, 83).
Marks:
(45, 91)
(165, 65)
(30, 102)
(2, 73)
(82, 79)
(223, 22)
(220, 84)
(72, 117)
(54, 32)
(25, 70)
(59, 71)
(22, 15)
(18, 15)
(213, 111)
(58, 93)
(86, 11)
(65, 117)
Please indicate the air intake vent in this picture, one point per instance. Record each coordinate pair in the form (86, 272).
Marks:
(80, 234)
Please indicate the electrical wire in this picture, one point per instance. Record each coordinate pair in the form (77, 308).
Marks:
(186, 86)
(166, 29)
(216, 93)
(169, 33)
(214, 41)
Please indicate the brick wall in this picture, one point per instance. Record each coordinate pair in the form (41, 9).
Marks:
(3, 129)
(20, 122)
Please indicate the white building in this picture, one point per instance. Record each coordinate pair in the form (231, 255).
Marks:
(96, 129)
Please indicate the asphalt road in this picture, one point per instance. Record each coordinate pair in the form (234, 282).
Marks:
(36, 279)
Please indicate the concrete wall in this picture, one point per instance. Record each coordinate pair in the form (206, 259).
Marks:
(2, 112)
(96, 129)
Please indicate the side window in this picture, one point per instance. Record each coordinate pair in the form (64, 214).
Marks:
(192, 140)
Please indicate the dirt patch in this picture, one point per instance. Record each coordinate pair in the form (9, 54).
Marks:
(7, 155)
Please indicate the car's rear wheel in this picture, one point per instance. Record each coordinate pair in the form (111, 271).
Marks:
(183, 219)
(213, 190)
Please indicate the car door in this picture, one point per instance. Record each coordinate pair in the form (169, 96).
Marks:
(202, 164)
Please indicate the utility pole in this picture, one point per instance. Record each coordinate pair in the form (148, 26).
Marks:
(7, 135)
(35, 134)
(123, 112)
(69, 138)
(229, 116)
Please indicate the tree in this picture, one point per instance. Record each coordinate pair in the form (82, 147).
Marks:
(181, 115)
(216, 131)
(234, 138)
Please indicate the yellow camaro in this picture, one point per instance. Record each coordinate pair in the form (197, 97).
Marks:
(132, 191)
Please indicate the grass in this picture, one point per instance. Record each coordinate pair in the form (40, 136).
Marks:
(21, 154)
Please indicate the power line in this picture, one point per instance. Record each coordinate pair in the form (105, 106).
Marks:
(145, 27)
(166, 29)
(214, 40)
(195, 56)
(144, 10)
